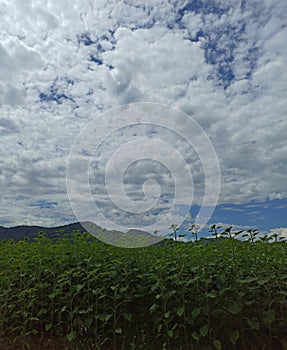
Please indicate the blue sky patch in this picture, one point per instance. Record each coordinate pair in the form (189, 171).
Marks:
(85, 39)
(260, 215)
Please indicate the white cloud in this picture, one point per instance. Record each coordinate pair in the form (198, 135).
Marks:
(281, 232)
(63, 63)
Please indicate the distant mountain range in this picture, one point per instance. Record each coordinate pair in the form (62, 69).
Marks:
(132, 238)
(23, 231)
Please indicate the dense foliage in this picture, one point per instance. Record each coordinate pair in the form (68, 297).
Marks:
(90, 295)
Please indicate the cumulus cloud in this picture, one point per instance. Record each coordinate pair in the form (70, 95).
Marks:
(63, 64)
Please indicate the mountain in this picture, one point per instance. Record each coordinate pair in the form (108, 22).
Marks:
(132, 238)
(21, 232)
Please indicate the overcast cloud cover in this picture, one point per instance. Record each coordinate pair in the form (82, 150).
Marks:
(62, 63)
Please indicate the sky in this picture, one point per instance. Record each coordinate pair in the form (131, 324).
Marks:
(67, 66)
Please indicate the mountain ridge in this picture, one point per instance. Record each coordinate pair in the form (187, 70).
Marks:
(132, 238)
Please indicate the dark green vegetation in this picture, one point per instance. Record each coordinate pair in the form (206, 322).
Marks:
(80, 293)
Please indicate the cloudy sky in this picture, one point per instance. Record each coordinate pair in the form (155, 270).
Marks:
(64, 64)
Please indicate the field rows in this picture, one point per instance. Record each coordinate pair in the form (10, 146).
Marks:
(80, 293)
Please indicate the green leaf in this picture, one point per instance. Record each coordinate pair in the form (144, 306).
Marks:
(195, 313)
(180, 311)
(234, 309)
(166, 315)
(128, 316)
(263, 281)
(211, 295)
(79, 287)
(48, 326)
(119, 330)
(204, 330)
(238, 232)
(217, 344)
(253, 323)
(42, 312)
(71, 336)
(105, 317)
(33, 318)
(224, 290)
(159, 327)
(195, 336)
(234, 335)
(170, 333)
(269, 316)
(153, 308)
(123, 289)
(248, 280)
(88, 322)
(97, 291)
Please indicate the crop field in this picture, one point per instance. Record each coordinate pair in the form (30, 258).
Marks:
(79, 293)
